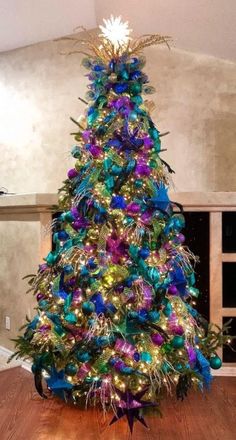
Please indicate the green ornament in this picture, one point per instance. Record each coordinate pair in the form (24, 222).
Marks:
(135, 88)
(166, 348)
(178, 341)
(152, 163)
(88, 307)
(194, 292)
(153, 245)
(71, 318)
(71, 369)
(68, 217)
(103, 368)
(215, 362)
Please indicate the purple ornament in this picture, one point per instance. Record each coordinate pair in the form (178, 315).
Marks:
(146, 216)
(72, 173)
(133, 208)
(172, 290)
(74, 211)
(95, 150)
(142, 169)
(178, 330)
(147, 142)
(86, 134)
(40, 296)
(43, 267)
(157, 339)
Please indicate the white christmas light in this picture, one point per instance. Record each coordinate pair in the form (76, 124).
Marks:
(116, 31)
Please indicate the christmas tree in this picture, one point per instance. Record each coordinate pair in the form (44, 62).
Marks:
(115, 322)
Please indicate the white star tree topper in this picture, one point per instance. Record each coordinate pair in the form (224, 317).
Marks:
(116, 31)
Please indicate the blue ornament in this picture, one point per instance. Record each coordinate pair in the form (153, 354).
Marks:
(120, 87)
(136, 356)
(144, 253)
(68, 268)
(136, 74)
(62, 235)
(118, 202)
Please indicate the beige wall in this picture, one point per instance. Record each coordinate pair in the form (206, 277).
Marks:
(39, 88)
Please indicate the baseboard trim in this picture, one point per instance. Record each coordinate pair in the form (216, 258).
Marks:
(22, 363)
(223, 371)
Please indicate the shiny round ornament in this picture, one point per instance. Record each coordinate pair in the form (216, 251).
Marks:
(138, 183)
(144, 253)
(178, 341)
(215, 362)
(133, 115)
(88, 308)
(153, 316)
(83, 357)
(51, 259)
(138, 100)
(135, 88)
(157, 339)
(71, 369)
(43, 303)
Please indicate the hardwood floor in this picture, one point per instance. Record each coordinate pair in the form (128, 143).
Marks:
(25, 416)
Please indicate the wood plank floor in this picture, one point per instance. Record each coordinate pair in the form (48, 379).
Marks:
(25, 416)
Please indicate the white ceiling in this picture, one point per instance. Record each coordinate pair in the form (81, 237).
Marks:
(205, 26)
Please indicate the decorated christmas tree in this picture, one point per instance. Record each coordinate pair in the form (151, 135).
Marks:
(115, 323)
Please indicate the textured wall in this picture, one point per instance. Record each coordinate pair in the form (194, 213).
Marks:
(39, 88)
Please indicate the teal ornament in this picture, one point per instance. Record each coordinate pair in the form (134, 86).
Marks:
(138, 183)
(101, 101)
(167, 309)
(178, 341)
(215, 362)
(124, 74)
(71, 318)
(153, 316)
(59, 330)
(92, 115)
(128, 221)
(133, 115)
(34, 368)
(154, 133)
(194, 292)
(157, 146)
(88, 307)
(138, 100)
(51, 259)
(115, 169)
(153, 274)
(71, 369)
(83, 357)
(145, 356)
(179, 367)
(67, 217)
(135, 88)
(43, 304)
(165, 368)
